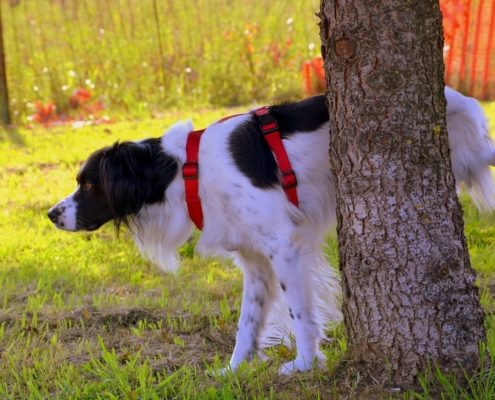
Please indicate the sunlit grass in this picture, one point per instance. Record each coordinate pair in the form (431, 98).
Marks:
(83, 315)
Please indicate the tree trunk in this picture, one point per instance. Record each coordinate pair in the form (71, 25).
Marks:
(4, 94)
(409, 289)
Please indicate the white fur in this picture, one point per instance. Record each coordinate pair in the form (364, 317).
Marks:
(276, 244)
(160, 229)
(67, 207)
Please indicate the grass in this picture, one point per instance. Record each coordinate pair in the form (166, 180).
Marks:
(144, 55)
(83, 316)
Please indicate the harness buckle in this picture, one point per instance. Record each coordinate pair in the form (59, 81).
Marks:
(269, 128)
(266, 121)
(288, 180)
(190, 170)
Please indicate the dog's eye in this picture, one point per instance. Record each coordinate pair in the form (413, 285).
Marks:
(86, 186)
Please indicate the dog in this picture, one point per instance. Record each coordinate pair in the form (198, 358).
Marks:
(289, 289)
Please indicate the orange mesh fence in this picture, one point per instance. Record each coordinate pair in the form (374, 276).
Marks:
(469, 51)
(469, 29)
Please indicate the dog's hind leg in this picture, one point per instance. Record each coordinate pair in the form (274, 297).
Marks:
(258, 292)
(292, 268)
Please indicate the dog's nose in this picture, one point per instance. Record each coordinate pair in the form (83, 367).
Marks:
(53, 214)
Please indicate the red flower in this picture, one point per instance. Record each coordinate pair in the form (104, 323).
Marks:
(79, 97)
(44, 112)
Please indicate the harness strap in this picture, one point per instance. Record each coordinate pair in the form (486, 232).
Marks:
(271, 133)
(190, 173)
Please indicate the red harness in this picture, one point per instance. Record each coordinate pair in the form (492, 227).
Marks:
(271, 133)
(190, 174)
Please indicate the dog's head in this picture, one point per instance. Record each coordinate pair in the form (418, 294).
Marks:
(114, 184)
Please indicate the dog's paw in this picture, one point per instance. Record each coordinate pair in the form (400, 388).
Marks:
(219, 373)
(302, 365)
(287, 368)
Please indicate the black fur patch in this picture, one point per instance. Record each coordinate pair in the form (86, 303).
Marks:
(124, 177)
(249, 150)
(134, 175)
(164, 170)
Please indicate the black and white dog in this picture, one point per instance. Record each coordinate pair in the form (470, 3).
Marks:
(288, 285)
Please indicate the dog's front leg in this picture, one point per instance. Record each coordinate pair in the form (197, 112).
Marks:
(257, 296)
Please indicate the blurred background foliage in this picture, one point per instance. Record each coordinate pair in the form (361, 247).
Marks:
(90, 60)
(142, 56)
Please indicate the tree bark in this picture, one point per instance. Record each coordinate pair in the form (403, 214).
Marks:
(4, 94)
(409, 289)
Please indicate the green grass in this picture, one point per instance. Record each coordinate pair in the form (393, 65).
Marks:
(84, 316)
(140, 58)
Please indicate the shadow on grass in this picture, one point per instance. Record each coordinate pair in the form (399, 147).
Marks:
(11, 134)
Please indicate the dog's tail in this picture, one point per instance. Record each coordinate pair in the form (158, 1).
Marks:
(472, 149)
(326, 299)
(482, 189)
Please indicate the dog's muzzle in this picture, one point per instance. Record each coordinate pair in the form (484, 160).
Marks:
(63, 215)
(53, 214)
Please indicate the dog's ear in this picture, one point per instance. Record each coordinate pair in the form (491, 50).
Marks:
(125, 178)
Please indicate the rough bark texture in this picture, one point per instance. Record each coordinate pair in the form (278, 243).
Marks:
(409, 289)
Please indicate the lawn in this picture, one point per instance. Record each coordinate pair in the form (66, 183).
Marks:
(84, 316)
